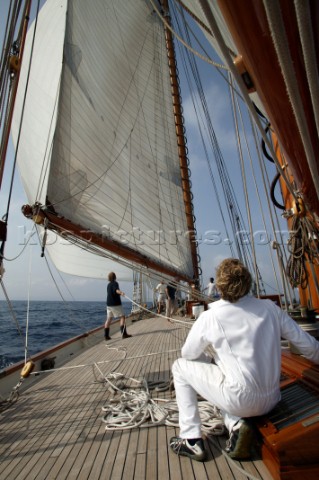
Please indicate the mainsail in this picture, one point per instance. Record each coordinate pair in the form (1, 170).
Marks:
(112, 165)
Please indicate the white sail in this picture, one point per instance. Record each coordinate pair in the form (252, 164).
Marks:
(73, 260)
(103, 125)
(36, 102)
(39, 109)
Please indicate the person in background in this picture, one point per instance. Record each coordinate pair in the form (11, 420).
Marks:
(161, 290)
(114, 307)
(171, 303)
(211, 289)
(244, 379)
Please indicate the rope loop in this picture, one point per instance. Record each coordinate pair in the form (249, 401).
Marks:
(135, 408)
(302, 245)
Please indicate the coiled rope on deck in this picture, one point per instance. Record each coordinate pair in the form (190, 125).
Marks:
(133, 406)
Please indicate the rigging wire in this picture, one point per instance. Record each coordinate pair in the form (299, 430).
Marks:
(12, 312)
(244, 180)
(262, 168)
(198, 112)
(214, 27)
(232, 206)
(206, 59)
(7, 259)
(15, 156)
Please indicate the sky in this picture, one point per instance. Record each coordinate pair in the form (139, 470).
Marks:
(26, 273)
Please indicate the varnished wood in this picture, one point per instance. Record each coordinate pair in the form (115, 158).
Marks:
(248, 25)
(292, 452)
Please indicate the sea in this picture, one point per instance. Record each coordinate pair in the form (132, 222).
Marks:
(49, 323)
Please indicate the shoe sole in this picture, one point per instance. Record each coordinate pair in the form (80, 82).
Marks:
(193, 456)
(243, 446)
(198, 458)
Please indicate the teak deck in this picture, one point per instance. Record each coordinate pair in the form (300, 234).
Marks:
(55, 430)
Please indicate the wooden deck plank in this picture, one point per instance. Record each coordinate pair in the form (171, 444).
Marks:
(152, 454)
(140, 465)
(98, 460)
(163, 454)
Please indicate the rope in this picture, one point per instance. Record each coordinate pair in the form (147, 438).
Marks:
(224, 50)
(171, 320)
(303, 15)
(167, 25)
(244, 182)
(95, 364)
(135, 409)
(302, 246)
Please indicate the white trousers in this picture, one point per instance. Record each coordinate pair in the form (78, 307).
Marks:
(234, 400)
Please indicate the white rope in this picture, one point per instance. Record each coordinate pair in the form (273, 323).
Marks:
(135, 409)
(303, 15)
(171, 320)
(167, 25)
(28, 307)
(84, 365)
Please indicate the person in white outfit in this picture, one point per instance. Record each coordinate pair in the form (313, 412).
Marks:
(211, 289)
(161, 299)
(244, 379)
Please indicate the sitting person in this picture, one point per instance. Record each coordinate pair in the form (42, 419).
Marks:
(244, 380)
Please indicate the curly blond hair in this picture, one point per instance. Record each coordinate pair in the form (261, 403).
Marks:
(233, 280)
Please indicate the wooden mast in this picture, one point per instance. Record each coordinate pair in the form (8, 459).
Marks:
(13, 65)
(248, 25)
(182, 150)
(10, 67)
(308, 286)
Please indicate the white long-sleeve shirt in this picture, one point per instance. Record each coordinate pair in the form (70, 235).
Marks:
(246, 337)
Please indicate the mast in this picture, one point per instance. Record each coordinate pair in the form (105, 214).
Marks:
(283, 82)
(12, 63)
(302, 271)
(182, 149)
(289, 107)
(10, 74)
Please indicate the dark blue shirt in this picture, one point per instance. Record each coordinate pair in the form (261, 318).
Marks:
(113, 299)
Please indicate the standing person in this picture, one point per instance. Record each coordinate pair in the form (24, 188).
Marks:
(211, 289)
(170, 299)
(244, 380)
(161, 289)
(114, 307)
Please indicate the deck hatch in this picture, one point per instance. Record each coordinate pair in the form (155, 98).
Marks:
(297, 403)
